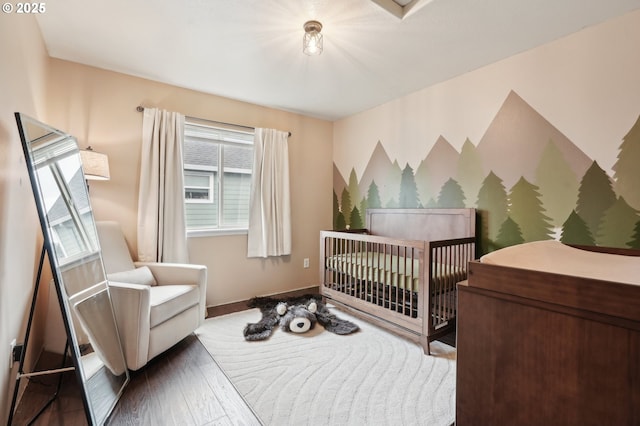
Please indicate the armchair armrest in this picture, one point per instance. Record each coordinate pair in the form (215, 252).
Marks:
(181, 273)
(132, 306)
(176, 273)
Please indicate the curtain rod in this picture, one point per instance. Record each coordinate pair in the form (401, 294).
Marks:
(141, 108)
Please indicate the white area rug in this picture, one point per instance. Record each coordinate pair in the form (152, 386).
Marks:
(371, 377)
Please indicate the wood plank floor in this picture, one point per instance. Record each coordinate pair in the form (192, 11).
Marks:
(184, 386)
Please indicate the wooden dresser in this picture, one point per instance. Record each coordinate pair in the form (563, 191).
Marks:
(537, 355)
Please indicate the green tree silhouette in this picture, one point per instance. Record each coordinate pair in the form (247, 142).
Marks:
(345, 204)
(421, 176)
(364, 205)
(451, 195)
(391, 204)
(355, 221)
(527, 211)
(492, 208)
(617, 224)
(595, 196)
(336, 210)
(509, 234)
(354, 190)
(408, 190)
(626, 170)
(635, 240)
(389, 186)
(373, 196)
(558, 184)
(340, 222)
(576, 231)
(470, 171)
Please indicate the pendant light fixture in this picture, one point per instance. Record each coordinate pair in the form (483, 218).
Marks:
(312, 41)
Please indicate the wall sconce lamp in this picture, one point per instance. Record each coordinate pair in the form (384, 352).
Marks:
(95, 165)
(312, 41)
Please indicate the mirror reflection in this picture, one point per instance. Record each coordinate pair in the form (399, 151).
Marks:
(70, 239)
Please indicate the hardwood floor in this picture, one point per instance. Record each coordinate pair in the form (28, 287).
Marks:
(184, 386)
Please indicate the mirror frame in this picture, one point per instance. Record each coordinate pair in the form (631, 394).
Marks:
(80, 279)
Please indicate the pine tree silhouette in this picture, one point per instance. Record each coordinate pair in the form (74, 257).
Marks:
(576, 231)
(617, 224)
(432, 204)
(451, 195)
(355, 221)
(470, 171)
(345, 204)
(527, 211)
(354, 189)
(364, 205)
(492, 209)
(595, 196)
(340, 222)
(373, 196)
(626, 170)
(635, 240)
(336, 210)
(509, 234)
(408, 190)
(558, 184)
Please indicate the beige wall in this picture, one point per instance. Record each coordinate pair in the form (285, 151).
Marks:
(23, 73)
(585, 84)
(99, 108)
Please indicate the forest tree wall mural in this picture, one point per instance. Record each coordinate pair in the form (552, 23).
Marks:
(526, 179)
(544, 144)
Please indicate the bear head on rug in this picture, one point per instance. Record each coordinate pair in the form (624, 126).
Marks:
(295, 315)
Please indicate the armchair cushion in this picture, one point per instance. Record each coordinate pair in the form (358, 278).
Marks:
(116, 256)
(169, 300)
(140, 275)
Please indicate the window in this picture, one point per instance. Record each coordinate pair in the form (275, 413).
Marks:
(217, 178)
(198, 187)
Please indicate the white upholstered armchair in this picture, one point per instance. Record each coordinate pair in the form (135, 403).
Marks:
(155, 304)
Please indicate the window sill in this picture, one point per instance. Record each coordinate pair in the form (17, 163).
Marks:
(197, 233)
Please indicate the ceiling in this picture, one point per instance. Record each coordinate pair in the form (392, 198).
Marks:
(251, 50)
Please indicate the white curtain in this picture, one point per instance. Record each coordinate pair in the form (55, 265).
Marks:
(270, 209)
(161, 220)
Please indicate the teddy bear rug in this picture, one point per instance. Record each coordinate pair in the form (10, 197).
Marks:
(295, 315)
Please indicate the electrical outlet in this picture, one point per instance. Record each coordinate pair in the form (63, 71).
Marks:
(306, 262)
(12, 345)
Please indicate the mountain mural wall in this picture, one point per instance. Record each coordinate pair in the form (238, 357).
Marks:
(527, 180)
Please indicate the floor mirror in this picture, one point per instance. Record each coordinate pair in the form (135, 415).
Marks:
(72, 247)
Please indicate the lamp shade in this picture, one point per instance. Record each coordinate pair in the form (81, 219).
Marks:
(312, 41)
(95, 165)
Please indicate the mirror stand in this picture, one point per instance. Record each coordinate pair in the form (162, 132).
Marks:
(23, 350)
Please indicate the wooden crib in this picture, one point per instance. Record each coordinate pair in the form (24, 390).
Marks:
(401, 271)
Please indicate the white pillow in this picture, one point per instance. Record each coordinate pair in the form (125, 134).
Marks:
(140, 275)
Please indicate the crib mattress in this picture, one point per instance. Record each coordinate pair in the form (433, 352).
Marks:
(393, 270)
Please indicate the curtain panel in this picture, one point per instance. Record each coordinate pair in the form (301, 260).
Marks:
(162, 233)
(270, 210)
